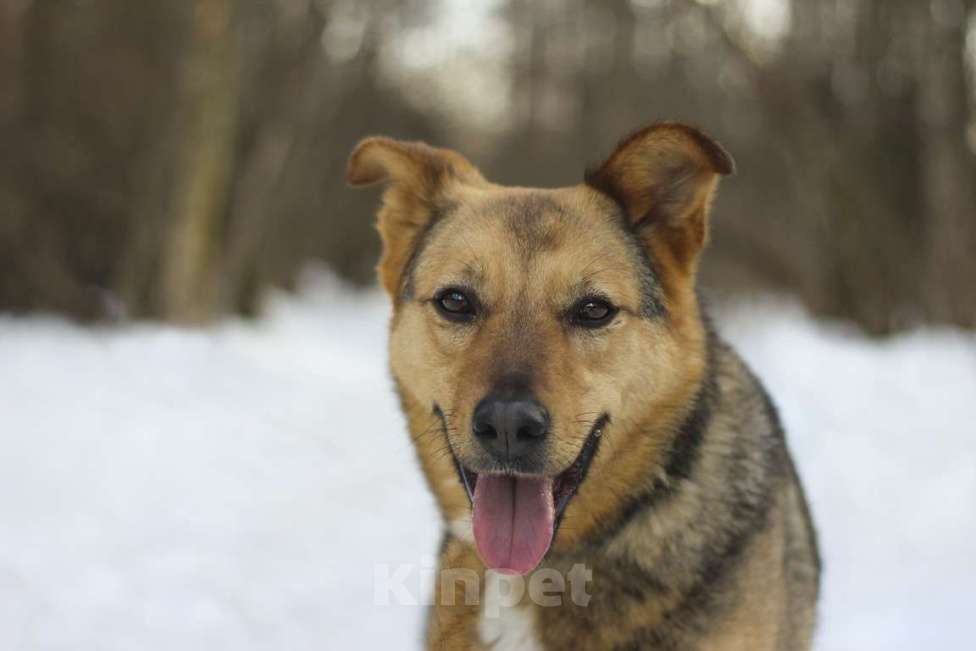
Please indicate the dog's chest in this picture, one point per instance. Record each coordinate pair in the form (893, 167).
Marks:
(506, 628)
(511, 630)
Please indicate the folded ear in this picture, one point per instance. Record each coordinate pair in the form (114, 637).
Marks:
(421, 180)
(418, 166)
(664, 178)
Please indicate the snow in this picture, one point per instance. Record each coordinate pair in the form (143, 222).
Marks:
(244, 487)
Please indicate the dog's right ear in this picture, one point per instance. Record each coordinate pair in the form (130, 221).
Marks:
(421, 181)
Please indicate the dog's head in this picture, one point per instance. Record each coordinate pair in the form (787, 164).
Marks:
(546, 343)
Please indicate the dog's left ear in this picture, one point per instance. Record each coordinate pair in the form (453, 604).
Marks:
(664, 178)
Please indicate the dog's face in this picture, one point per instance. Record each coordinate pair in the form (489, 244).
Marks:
(545, 343)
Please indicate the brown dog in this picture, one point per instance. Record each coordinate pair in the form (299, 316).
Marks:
(572, 407)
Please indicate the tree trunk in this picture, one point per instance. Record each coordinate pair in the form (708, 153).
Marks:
(189, 269)
(949, 171)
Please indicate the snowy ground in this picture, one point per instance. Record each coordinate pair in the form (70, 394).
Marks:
(239, 488)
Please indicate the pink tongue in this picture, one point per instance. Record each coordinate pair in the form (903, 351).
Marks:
(513, 521)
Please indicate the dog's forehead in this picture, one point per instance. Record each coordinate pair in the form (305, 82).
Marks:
(504, 240)
(529, 222)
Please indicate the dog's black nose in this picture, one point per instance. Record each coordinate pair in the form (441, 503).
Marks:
(510, 427)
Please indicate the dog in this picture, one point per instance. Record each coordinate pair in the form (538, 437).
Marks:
(572, 406)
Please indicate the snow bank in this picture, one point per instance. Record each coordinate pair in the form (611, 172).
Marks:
(239, 488)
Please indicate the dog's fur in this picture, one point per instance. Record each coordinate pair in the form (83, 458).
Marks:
(691, 516)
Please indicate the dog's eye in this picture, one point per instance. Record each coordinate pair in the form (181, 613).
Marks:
(455, 305)
(593, 312)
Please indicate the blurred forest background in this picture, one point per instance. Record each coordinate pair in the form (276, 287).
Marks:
(172, 160)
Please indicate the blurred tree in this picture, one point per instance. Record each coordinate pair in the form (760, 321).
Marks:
(849, 121)
(948, 180)
(206, 160)
(172, 160)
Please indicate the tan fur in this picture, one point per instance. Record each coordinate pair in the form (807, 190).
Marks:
(530, 253)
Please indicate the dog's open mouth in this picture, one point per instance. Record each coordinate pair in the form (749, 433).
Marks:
(515, 517)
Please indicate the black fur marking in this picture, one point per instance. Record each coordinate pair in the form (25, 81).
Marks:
(652, 302)
(446, 538)
(420, 242)
(687, 445)
(526, 218)
(682, 456)
(652, 305)
(706, 594)
(638, 503)
(637, 582)
(721, 561)
(584, 460)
